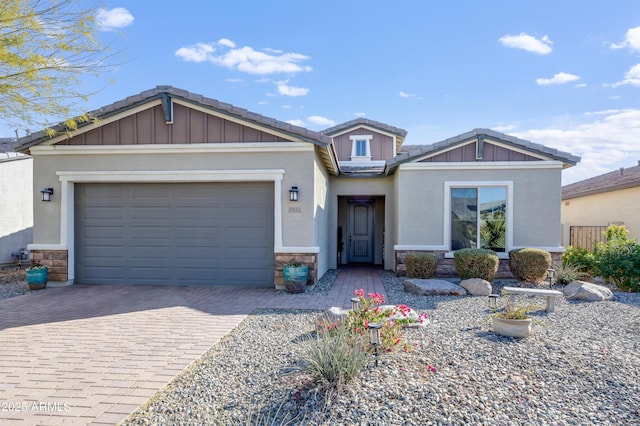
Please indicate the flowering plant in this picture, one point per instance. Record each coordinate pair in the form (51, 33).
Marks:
(369, 310)
(37, 266)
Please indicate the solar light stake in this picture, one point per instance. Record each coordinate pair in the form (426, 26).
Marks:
(374, 338)
(493, 301)
(551, 273)
(355, 303)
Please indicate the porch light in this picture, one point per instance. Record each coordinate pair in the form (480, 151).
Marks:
(551, 273)
(374, 338)
(293, 193)
(493, 301)
(355, 303)
(46, 194)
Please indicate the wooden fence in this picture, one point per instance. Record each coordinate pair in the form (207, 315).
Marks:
(586, 236)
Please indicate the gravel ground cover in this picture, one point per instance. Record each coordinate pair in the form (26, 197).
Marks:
(12, 283)
(581, 366)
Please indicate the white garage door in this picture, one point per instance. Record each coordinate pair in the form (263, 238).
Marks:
(207, 234)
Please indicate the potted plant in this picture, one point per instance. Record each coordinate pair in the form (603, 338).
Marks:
(513, 320)
(37, 276)
(295, 277)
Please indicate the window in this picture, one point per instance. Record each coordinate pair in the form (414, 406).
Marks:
(478, 217)
(361, 147)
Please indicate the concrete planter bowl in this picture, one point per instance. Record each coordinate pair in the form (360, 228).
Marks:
(512, 327)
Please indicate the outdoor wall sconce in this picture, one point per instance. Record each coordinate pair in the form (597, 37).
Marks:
(551, 273)
(493, 301)
(374, 338)
(355, 303)
(46, 194)
(293, 193)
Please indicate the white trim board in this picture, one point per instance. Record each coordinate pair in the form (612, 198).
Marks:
(482, 165)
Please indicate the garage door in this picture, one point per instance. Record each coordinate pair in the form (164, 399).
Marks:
(208, 234)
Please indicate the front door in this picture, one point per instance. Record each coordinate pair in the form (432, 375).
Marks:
(360, 237)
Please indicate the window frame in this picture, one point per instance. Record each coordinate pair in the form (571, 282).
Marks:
(354, 148)
(477, 185)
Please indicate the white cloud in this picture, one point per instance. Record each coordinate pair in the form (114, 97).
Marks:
(632, 40)
(526, 42)
(631, 77)
(560, 78)
(296, 122)
(286, 90)
(321, 121)
(245, 59)
(113, 19)
(605, 144)
(406, 95)
(360, 114)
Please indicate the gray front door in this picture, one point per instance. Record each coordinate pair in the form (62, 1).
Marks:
(207, 234)
(360, 238)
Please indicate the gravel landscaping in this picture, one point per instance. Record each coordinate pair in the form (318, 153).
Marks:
(580, 366)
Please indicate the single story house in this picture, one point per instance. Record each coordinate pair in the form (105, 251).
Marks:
(589, 206)
(170, 187)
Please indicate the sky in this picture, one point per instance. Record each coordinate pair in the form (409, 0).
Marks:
(564, 74)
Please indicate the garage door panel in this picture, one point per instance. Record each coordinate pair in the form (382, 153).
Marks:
(180, 234)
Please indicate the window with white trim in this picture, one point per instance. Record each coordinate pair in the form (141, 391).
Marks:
(361, 147)
(479, 217)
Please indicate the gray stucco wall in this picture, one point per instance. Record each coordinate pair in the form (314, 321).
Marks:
(297, 224)
(16, 204)
(536, 203)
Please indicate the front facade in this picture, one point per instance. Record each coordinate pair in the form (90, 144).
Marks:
(169, 187)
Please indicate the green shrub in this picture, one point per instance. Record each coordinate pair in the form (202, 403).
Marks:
(335, 357)
(476, 263)
(579, 258)
(618, 261)
(421, 265)
(566, 274)
(529, 264)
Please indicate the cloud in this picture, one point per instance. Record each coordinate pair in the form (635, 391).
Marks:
(560, 78)
(314, 121)
(526, 42)
(406, 95)
(321, 121)
(113, 19)
(632, 40)
(631, 77)
(245, 59)
(606, 143)
(360, 114)
(286, 90)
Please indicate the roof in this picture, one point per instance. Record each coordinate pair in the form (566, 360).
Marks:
(412, 153)
(399, 133)
(623, 178)
(161, 92)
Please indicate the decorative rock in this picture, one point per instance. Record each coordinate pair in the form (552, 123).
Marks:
(581, 290)
(409, 314)
(476, 286)
(333, 314)
(433, 287)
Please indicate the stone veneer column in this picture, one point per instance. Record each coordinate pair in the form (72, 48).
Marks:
(309, 259)
(56, 260)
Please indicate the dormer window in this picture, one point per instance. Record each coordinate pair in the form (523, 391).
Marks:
(361, 147)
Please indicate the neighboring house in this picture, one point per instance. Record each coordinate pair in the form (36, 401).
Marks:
(16, 201)
(169, 187)
(589, 206)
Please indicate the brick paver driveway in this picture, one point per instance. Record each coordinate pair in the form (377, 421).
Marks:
(93, 354)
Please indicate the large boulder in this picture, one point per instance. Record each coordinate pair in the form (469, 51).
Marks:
(581, 290)
(476, 286)
(333, 315)
(433, 287)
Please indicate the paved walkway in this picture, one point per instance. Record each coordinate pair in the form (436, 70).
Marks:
(93, 354)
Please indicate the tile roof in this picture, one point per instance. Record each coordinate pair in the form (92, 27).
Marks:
(213, 104)
(365, 121)
(626, 177)
(412, 152)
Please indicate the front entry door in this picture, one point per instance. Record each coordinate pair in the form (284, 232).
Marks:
(360, 238)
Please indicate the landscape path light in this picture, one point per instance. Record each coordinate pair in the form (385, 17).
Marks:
(374, 338)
